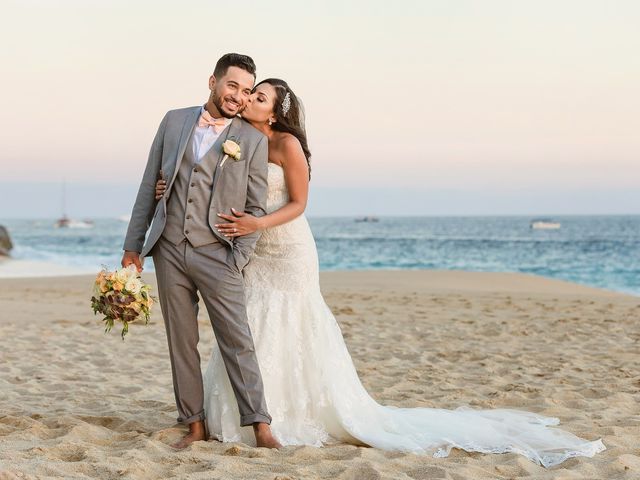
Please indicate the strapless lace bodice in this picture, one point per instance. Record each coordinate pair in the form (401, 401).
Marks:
(285, 258)
(277, 193)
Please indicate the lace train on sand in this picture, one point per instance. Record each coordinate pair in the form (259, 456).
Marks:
(311, 385)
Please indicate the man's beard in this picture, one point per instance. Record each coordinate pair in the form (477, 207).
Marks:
(217, 101)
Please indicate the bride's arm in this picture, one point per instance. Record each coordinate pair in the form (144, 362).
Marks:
(296, 175)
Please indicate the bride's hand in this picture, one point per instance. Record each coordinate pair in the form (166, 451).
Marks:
(161, 187)
(240, 223)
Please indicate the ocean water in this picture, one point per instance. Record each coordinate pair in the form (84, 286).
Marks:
(601, 251)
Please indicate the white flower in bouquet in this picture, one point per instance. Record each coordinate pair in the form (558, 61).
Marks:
(133, 285)
(122, 275)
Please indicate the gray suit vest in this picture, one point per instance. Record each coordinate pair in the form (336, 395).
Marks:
(188, 205)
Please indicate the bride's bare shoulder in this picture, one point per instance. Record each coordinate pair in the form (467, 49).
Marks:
(285, 146)
(284, 140)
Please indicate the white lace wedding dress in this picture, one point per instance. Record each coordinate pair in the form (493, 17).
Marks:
(311, 386)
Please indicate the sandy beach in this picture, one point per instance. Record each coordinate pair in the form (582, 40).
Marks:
(76, 403)
(12, 268)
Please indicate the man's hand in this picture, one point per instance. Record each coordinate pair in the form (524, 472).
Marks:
(131, 258)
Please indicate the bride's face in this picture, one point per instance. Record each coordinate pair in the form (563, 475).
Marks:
(259, 107)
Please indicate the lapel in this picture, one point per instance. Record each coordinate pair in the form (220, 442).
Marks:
(231, 133)
(185, 135)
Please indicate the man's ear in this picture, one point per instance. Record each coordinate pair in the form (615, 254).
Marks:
(212, 82)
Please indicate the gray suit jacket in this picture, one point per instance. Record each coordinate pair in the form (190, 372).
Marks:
(240, 184)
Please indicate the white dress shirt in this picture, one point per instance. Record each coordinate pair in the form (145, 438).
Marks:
(205, 137)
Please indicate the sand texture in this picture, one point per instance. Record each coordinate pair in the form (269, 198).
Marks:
(76, 403)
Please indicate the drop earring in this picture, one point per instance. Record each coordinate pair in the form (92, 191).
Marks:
(270, 122)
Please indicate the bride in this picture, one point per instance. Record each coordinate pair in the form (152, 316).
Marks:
(311, 385)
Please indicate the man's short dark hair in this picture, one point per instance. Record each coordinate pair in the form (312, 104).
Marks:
(244, 62)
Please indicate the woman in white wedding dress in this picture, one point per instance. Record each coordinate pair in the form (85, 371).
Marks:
(311, 385)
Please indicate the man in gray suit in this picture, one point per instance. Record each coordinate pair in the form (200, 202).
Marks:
(204, 177)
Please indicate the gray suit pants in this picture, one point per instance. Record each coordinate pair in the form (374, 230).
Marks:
(182, 271)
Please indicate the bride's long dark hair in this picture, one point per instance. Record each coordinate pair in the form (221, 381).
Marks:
(293, 121)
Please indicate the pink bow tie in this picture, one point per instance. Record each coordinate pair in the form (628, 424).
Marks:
(206, 120)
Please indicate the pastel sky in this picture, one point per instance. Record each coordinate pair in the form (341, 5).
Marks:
(496, 96)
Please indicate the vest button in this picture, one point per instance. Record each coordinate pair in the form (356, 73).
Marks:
(186, 231)
(188, 217)
(190, 200)
(195, 169)
(193, 184)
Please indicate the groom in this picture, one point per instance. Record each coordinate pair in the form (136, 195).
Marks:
(191, 256)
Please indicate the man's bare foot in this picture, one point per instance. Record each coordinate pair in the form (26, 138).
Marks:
(197, 432)
(264, 437)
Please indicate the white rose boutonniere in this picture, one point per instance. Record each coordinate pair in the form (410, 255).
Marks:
(230, 149)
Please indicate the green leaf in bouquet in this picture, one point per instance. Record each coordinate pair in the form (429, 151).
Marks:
(125, 329)
(108, 324)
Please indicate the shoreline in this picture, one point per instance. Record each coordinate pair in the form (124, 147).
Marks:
(19, 268)
(451, 281)
(433, 280)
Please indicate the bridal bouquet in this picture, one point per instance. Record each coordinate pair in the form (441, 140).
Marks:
(121, 295)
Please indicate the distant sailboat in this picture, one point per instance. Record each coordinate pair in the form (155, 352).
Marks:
(65, 221)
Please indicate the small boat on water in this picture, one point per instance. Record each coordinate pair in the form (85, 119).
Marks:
(544, 224)
(65, 221)
(367, 219)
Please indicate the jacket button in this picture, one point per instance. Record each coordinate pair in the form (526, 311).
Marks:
(195, 169)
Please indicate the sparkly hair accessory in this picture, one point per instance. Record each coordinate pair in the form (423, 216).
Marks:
(286, 104)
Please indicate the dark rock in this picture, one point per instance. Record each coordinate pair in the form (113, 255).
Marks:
(5, 241)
